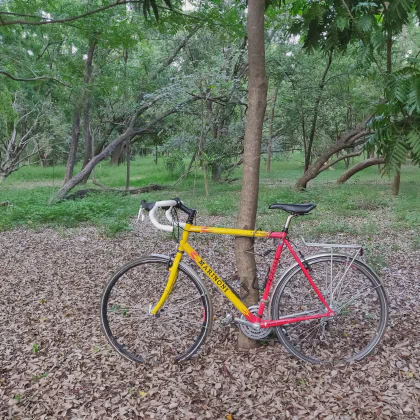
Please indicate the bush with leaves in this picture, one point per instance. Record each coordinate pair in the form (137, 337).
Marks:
(174, 163)
(397, 125)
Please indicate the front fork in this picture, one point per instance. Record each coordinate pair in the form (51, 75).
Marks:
(173, 275)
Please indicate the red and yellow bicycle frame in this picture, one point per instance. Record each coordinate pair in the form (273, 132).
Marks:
(184, 246)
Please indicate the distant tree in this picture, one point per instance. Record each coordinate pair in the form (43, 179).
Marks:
(15, 143)
(333, 25)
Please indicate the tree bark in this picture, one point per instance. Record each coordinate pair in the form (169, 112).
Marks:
(189, 168)
(344, 157)
(86, 112)
(359, 167)
(346, 141)
(127, 179)
(397, 181)
(128, 133)
(305, 147)
(99, 147)
(315, 117)
(116, 157)
(69, 185)
(80, 104)
(216, 171)
(270, 138)
(397, 177)
(71, 160)
(257, 100)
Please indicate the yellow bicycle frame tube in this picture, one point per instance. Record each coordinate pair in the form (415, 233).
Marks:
(228, 231)
(173, 273)
(221, 285)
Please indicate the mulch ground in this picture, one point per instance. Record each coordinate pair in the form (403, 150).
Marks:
(56, 364)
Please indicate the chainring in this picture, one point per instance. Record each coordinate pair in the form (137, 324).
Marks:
(250, 332)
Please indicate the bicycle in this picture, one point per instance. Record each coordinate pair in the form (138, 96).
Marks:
(326, 308)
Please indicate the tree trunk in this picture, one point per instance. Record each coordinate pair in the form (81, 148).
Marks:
(305, 147)
(128, 133)
(87, 135)
(346, 141)
(71, 160)
(359, 167)
(216, 171)
(86, 112)
(89, 167)
(270, 138)
(346, 158)
(99, 147)
(257, 100)
(397, 177)
(397, 182)
(127, 179)
(315, 117)
(206, 182)
(80, 104)
(116, 157)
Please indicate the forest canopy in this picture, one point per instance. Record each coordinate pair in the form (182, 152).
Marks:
(88, 81)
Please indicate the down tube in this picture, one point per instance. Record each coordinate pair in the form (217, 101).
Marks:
(221, 285)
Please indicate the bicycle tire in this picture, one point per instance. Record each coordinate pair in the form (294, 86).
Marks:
(169, 334)
(285, 300)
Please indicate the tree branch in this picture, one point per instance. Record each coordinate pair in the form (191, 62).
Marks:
(349, 155)
(170, 60)
(69, 19)
(128, 133)
(359, 167)
(34, 79)
(163, 116)
(347, 9)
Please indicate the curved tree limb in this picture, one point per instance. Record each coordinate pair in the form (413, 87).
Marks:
(47, 21)
(131, 131)
(359, 167)
(349, 155)
(347, 9)
(348, 140)
(34, 79)
(308, 150)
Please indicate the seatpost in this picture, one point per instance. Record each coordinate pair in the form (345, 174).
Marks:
(286, 225)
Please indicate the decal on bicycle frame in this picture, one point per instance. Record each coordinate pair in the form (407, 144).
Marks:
(221, 285)
(213, 276)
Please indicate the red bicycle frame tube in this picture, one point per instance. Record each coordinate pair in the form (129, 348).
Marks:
(271, 275)
(233, 297)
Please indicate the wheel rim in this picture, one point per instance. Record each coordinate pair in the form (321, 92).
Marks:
(175, 333)
(352, 292)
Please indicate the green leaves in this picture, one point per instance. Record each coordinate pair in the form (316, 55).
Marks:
(397, 125)
(413, 140)
(365, 23)
(332, 25)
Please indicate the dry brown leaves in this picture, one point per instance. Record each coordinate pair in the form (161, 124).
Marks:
(56, 364)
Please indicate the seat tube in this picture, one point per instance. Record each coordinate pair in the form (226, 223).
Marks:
(173, 272)
(271, 275)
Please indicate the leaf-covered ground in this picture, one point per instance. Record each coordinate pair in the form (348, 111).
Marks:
(56, 364)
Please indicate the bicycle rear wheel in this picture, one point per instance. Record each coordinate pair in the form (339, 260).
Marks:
(352, 290)
(176, 332)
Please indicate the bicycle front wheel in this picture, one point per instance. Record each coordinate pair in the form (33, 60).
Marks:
(176, 332)
(353, 292)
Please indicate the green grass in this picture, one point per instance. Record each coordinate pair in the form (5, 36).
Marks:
(352, 208)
